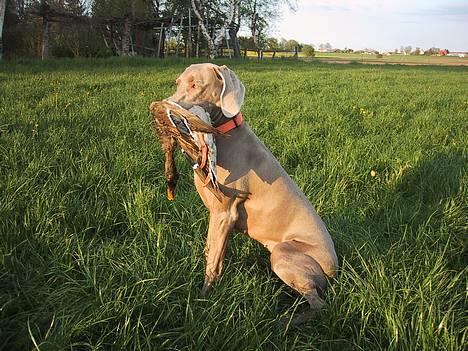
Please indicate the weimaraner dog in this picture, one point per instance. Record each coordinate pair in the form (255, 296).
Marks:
(260, 199)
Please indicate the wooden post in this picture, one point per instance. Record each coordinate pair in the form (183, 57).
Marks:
(167, 38)
(105, 41)
(160, 38)
(2, 17)
(188, 47)
(198, 41)
(178, 36)
(131, 45)
(45, 38)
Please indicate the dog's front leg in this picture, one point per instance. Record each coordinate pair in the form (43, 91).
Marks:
(221, 224)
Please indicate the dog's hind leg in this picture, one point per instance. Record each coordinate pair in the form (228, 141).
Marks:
(295, 265)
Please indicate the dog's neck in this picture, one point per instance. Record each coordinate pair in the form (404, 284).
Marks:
(217, 117)
(216, 114)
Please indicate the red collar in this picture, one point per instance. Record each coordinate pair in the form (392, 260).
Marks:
(231, 124)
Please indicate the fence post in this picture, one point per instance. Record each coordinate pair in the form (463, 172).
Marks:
(188, 47)
(198, 41)
(2, 19)
(178, 36)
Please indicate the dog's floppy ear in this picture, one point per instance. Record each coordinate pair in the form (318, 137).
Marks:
(232, 95)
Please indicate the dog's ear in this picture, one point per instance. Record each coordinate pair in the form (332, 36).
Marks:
(232, 95)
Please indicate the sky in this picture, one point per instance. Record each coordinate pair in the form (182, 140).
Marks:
(383, 25)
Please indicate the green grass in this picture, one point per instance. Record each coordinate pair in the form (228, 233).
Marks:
(93, 256)
(394, 58)
(334, 57)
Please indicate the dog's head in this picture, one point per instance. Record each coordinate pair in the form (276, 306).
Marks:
(212, 87)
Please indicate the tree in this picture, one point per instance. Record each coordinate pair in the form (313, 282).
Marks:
(416, 51)
(291, 45)
(431, 51)
(91, 27)
(258, 14)
(227, 14)
(308, 50)
(272, 44)
(247, 43)
(325, 47)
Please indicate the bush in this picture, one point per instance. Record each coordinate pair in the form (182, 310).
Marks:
(308, 50)
(379, 55)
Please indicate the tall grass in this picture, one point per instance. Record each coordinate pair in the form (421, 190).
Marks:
(94, 257)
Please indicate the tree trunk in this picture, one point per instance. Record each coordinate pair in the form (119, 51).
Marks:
(45, 38)
(2, 18)
(234, 41)
(253, 25)
(127, 31)
(233, 6)
(126, 37)
(45, 9)
(254, 32)
(211, 46)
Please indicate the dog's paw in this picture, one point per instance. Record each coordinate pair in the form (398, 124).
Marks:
(206, 288)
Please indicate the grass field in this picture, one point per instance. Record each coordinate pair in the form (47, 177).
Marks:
(394, 59)
(332, 57)
(94, 257)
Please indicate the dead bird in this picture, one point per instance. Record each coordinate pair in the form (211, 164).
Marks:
(191, 130)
